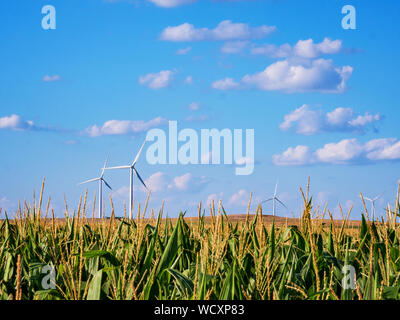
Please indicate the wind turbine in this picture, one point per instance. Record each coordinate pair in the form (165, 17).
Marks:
(132, 170)
(101, 180)
(274, 199)
(373, 204)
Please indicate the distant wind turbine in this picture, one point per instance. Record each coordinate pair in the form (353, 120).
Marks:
(274, 199)
(132, 170)
(373, 204)
(101, 180)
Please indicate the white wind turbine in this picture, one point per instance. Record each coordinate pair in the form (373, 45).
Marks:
(101, 180)
(132, 170)
(274, 199)
(373, 204)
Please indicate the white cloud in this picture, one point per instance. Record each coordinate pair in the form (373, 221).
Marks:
(158, 80)
(383, 149)
(189, 80)
(307, 121)
(15, 122)
(234, 46)
(341, 152)
(318, 76)
(240, 198)
(346, 151)
(225, 84)
(363, 120)
(302, 49)
(48, 78)
(244, 160)
(182, 182)
(188, 182)
(171, 3)
(161, 182)
(214, 197)
(226, 30)
(158, 182)
(299, 155)
(183, 51)
(120, 127)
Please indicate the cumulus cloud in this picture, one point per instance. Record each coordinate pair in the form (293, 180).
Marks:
(158, 182)
(308, 121)
(188, 182)
(299, 155)
(121, 127)
(158, 80)
(302, 49)
(225, 84)
(171, 3)
(226, 30)
(383, 149)
(15, 122)
(346, 151)
(341, 152)
(161, 182)
(317, 76)
(240, 198)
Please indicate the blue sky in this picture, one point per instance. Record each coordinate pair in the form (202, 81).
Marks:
(321, 99)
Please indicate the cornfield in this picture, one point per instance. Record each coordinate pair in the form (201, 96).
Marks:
(197, 259)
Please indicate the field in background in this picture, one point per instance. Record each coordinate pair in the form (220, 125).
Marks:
(219, 257)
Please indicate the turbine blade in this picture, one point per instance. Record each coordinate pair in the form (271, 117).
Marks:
(137, 156)
(267, 200)
(105, 163)
(368, 199)
(105, 182)
(104, 167)
(87, 181)
(281, 203)
(276, 188)
(141, 180)
(120, 167)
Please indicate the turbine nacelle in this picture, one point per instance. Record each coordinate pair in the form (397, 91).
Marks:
(132, 166)
(275, 198)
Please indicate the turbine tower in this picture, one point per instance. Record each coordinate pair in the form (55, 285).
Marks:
(132, 170)
(373, 204)
(101, 180)
(274, 199)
